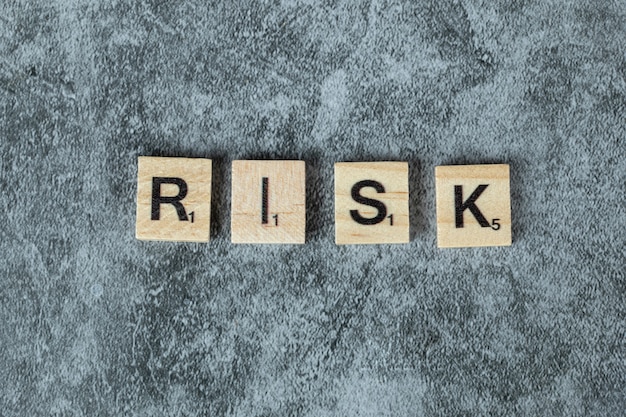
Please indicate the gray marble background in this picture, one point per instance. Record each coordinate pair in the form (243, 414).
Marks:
(96, 323)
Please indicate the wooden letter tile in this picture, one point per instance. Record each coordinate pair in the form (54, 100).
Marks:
(371, 202)
(268, 202)
(173, 199)
(473, 205)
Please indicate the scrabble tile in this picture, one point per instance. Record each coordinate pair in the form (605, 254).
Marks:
(473, 205)
(268, 202)
(173, 199)
(371, 202)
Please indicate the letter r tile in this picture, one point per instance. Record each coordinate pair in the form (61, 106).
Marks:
(173, 199)
(371, 202)
(473, 205)
(268, 202)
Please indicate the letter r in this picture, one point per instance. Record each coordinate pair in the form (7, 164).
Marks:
(157, 199)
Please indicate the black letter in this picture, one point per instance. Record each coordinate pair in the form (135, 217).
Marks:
(460, 206)
(264, 202)
(157, 200)
(382, 210)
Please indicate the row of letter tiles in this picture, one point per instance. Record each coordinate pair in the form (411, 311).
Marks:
(371, 202)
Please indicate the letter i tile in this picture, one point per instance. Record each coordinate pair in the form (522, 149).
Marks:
(473, 205)
(173, 199)
(268, 202)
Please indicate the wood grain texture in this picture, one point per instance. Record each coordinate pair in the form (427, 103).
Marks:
(394, 177)
(196, 174)
(493, 203)
(285, 218)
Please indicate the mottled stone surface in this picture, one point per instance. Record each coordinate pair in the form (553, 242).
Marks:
(94, 322)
